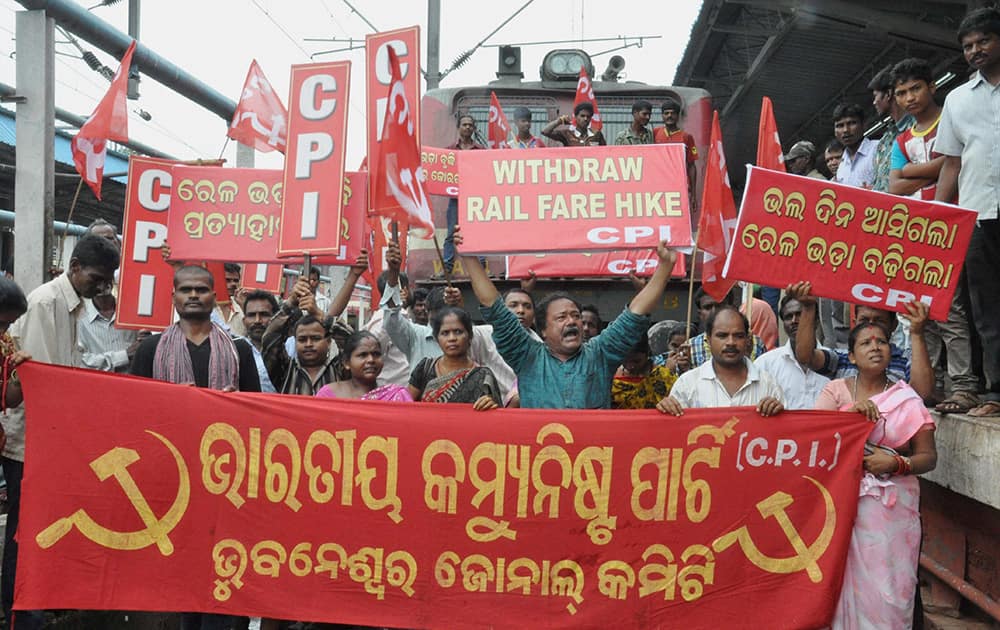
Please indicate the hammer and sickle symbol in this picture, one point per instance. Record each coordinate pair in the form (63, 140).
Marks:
(806, 556)
(115, 463)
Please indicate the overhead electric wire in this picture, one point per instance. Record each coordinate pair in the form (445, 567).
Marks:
(462, 58)
(280, 28)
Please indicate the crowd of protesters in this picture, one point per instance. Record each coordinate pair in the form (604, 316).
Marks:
(422, 346)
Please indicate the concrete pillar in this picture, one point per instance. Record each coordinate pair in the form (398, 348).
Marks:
(244, 155)
(34, 182)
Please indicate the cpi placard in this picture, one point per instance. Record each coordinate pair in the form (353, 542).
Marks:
(852, 244)
(579, 199)
(314, 163)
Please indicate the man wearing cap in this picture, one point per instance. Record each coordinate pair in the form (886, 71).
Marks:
(801, 160)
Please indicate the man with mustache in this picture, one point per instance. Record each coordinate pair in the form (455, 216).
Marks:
(800, 384)
(730, 379)
(562, 372)
(258, 309)
(968, 137)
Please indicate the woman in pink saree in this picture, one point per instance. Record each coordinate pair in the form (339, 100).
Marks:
(880, 580)
(362, 361)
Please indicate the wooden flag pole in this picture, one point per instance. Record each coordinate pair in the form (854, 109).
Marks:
(69, 220)
(694, 260)
(444, 267)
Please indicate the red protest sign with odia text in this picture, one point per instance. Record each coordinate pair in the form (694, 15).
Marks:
(395, 514)
(234, 214)
(314, 163)
(853, 244)
(440, 171)
(573, 199)
(145, 280)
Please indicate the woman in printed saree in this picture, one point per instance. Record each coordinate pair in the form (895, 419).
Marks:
(880, 579)
(453, 377)
(361, 360)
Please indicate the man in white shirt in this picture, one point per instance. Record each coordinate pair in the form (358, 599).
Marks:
(857, 165)
(729, 379)
(103, 346)
(799, 384)
(322, 302)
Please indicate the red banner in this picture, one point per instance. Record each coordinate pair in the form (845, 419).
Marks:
(404, 515)
(145, 279)
(314, 165)
(233, 215)
(579, 199)
(406, 43)
(266, 277)
(586, 265)
(440, 171)
(852, 244)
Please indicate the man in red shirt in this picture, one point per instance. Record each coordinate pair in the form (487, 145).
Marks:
(672, 132)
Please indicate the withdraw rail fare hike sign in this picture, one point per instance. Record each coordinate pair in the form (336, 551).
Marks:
(573, 199)
(853, 244)
(314, 165)
(411, 515)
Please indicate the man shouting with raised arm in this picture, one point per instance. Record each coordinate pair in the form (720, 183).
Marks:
(561, 371)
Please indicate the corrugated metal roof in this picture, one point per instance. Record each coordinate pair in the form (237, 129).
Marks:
(807, 57)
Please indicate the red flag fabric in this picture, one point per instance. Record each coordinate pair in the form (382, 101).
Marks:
(769, 153)
(261, 119)
(718, 217)
(108, 122)
(399, 189)
(585, 93)
(499, 130)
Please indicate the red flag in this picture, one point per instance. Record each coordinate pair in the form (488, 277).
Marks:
(718, 218)
(585, 93)
(769, 154)
(399, 189)
(108, 122)
(499, 130)
(261, 119)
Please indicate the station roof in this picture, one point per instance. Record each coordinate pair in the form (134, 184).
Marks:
(88, 207)
(808, 56)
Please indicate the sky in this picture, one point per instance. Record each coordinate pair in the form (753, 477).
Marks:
(215, 41)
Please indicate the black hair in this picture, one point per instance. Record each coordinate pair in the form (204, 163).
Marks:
(420, 294)
(435, 299)
(833, 145)
(96, 251)
(982, 20)
(591, 308)
(522, 113)
(725, 308)
(521, 291)
(12, 298)
(99, 222)
(404, 281)
(584, 105)
(353, 341)
(700, 293)
(785, 299)
(314, 271)
(542, 308)
(459, 117)
(882, 81)
(305, 320)
(259, 295)
(197, 270)
(640, 105)
(848, 110)
(461, 314)
(671, 104)
(641, 346)
(681, 329)
(232, 268)
(852, 337)
(912, 69)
